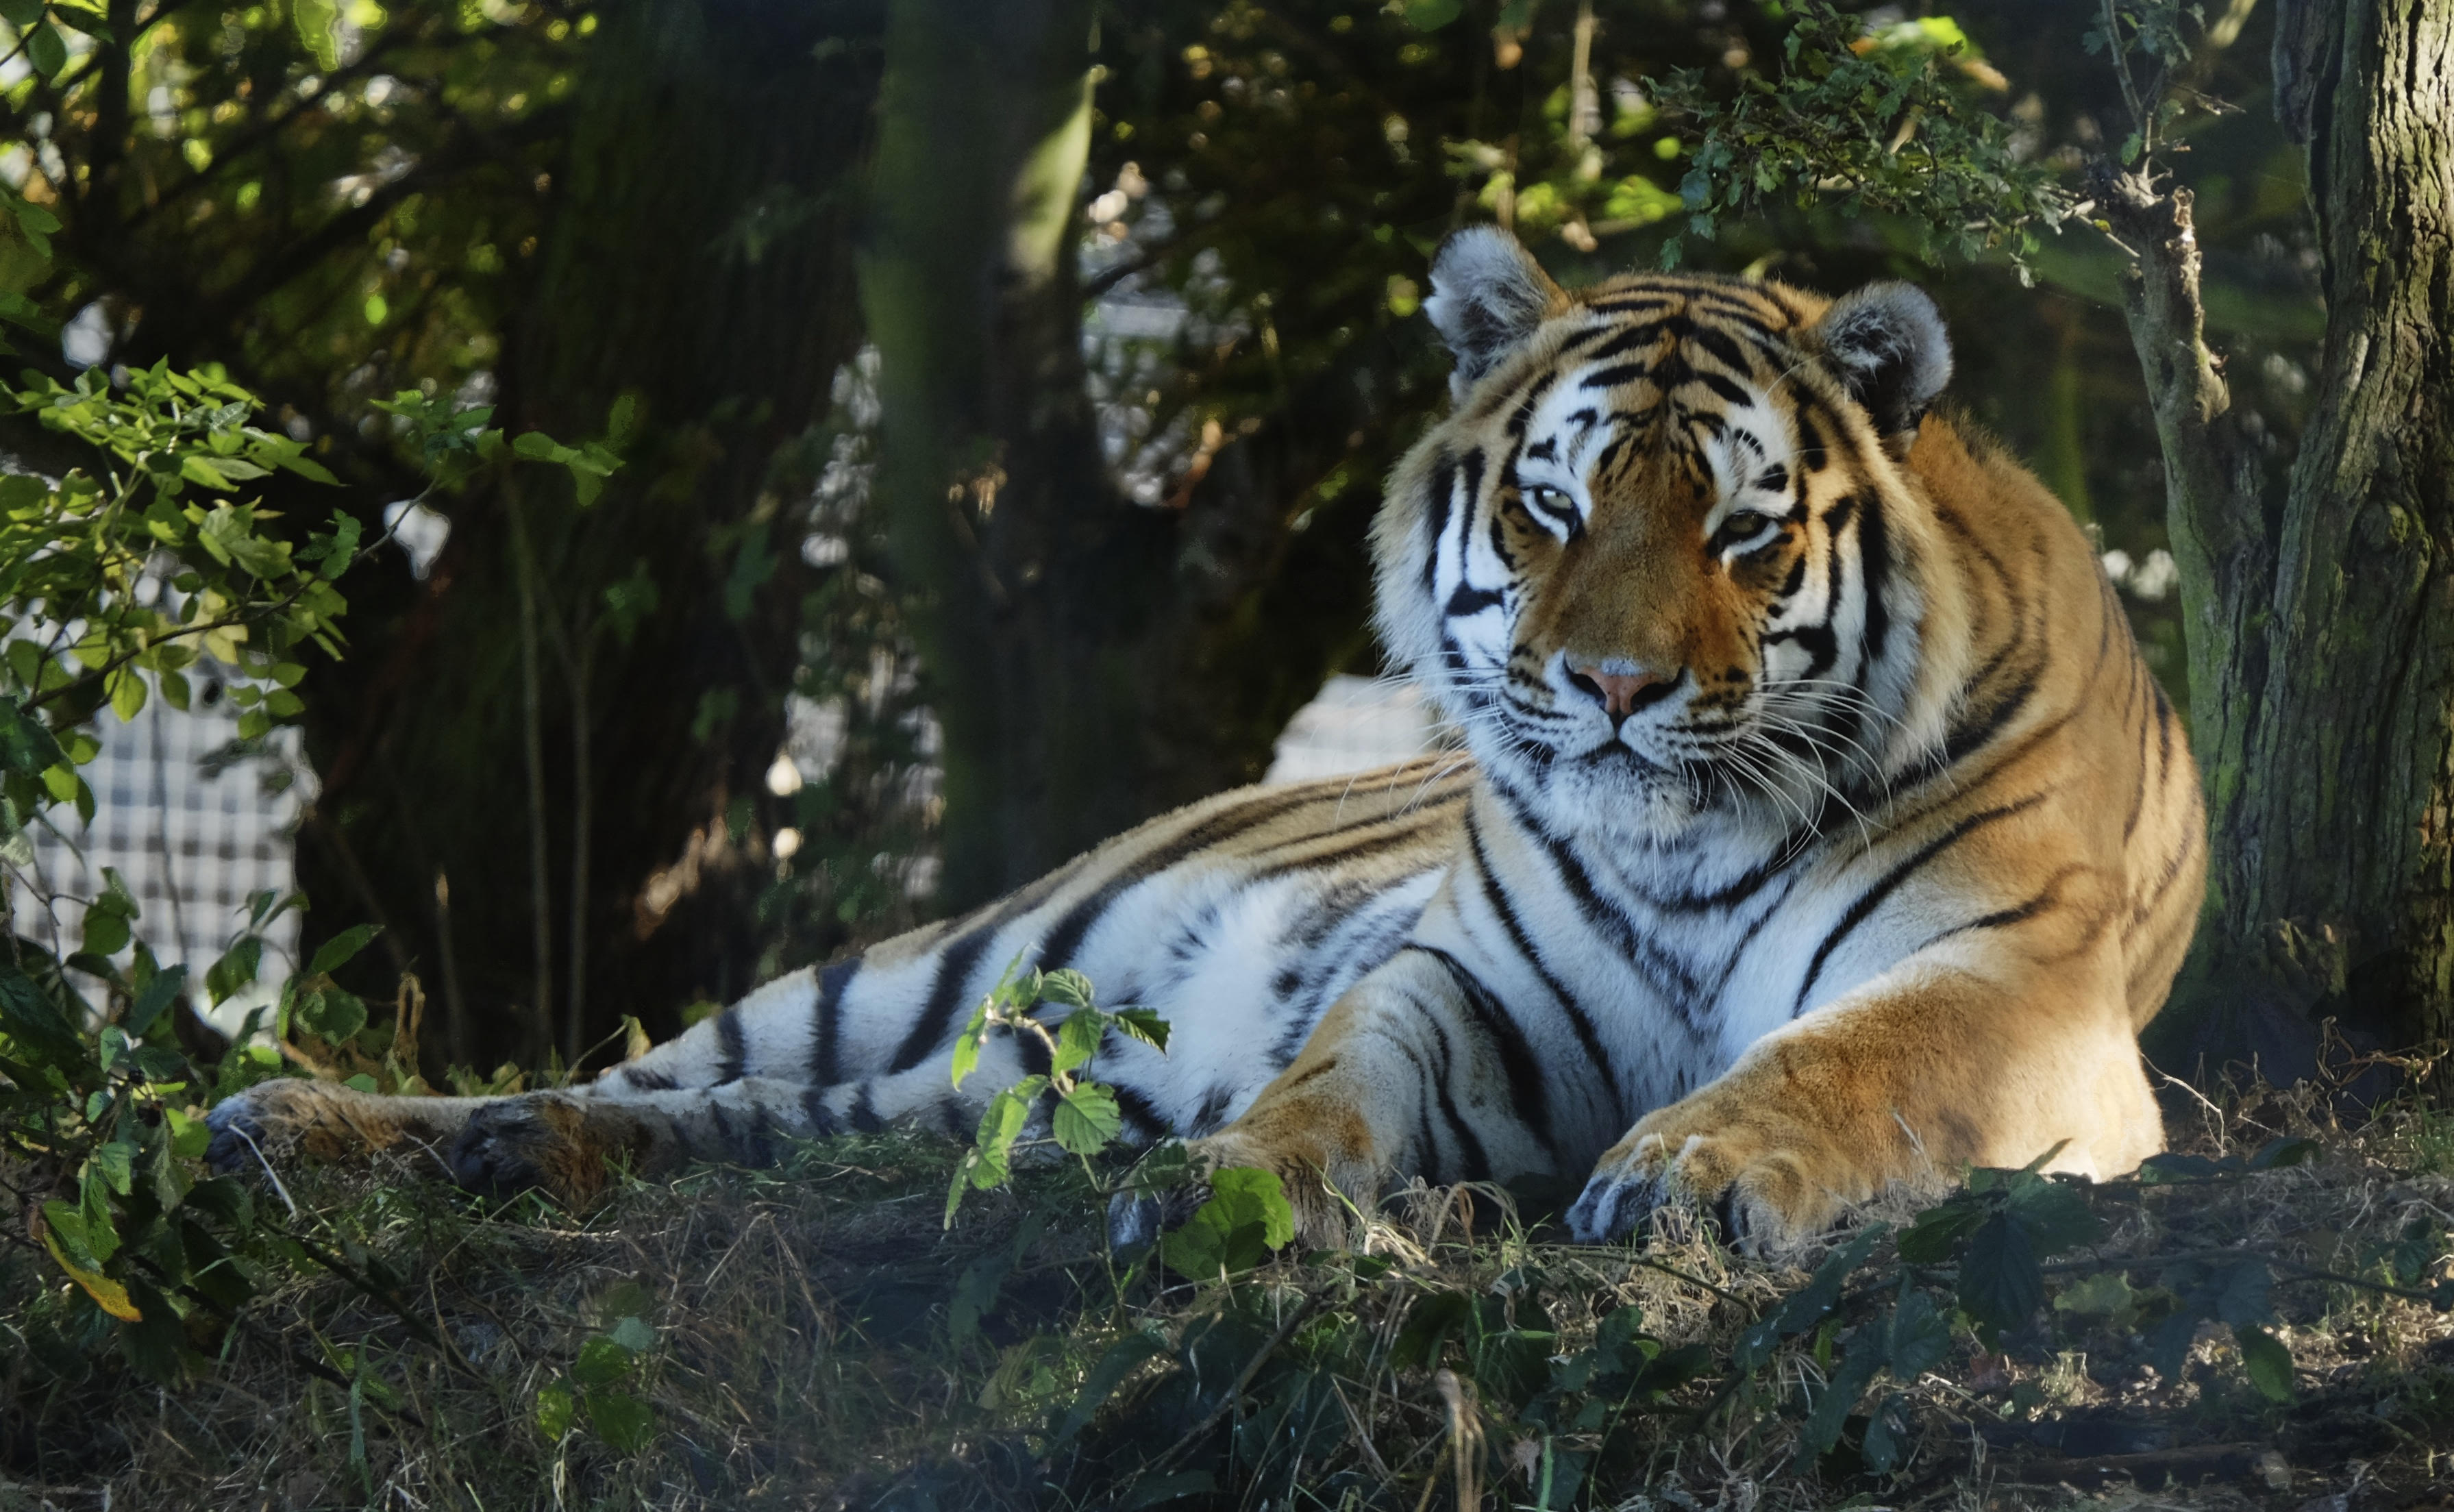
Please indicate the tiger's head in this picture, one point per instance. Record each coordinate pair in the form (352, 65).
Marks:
(1666, 561)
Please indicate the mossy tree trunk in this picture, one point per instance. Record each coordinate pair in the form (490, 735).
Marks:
(1091, 661)
(2321, 615)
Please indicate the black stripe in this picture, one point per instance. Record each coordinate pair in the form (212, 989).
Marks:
(648, 1081)
(1643, 334)
(946, 992)
(1066, 938)
(736, 1056)
(1356, 850)
(1469, 600)
(1436, 523)
(1890, 882)
(826, 1028)
(1728, 391)
(1875, 570)
(1526, 1098)
(1523, 416)
(1721, 347)
(2018, 913)
(1142, 1114)
(864, 1112)
(1651, 961)
(1477, 1163)
(1611, 377)
(1588, 1038)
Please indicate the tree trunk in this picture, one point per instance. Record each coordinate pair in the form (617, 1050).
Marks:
(2321, 659)
(1091, 661)
(698, 261)
(990, 472)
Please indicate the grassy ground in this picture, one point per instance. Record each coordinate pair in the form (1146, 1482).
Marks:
(811, 1338)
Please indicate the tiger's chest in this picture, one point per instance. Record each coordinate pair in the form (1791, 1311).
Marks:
(1641, 973)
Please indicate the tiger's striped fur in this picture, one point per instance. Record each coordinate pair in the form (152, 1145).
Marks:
(1824, 828)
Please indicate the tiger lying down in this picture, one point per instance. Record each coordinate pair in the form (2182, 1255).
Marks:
(1823, 830)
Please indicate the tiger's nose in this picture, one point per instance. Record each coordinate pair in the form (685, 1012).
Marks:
(1619, 685)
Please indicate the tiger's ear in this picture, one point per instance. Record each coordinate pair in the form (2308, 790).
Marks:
(1488, 294)
(1888, 343)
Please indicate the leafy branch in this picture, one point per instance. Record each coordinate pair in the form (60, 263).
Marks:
(1891, 118)
(1082, 1116)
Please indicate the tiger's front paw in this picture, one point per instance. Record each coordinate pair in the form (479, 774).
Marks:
(1323, 1216)
(1765, 1179)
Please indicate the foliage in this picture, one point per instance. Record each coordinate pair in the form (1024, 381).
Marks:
(593, 1389)
(120, 576)
(1888, 120)
(815, 1330)
(2134, 32)
(117, 578)
(1081, 1115)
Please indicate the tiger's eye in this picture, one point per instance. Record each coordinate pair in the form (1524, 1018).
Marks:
(1743, 530)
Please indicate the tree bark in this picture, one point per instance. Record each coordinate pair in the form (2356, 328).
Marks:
(2321, 660)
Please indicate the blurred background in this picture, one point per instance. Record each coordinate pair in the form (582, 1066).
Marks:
(1004, 390)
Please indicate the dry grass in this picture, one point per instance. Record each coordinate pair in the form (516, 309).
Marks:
(803, 1357)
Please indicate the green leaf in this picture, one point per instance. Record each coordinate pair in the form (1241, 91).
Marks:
(2056, 1215)
(555, 1411)
(1917, 1339)
(106, 931)
(31, 1019)
(1068, 987)
(1143, 1024)
(1840, 1392)
(2106, 1293)
(601, 1363)
(315, 21)
(1077, 1041)
(116, 1163)
(621, 1419)
(633, 1334)
(333, 1014)
(108, 1294)
(199, 469)
(1806, 1307)
(966, 1044)
(235, 970)
(1247, 1217)
(25, 745)
(2267, 1361)
(1086, 1118)
(1430, 15)
(127, 690)
(2276, 1154)
(2000, 1282)
(45, 49)
(336, 952)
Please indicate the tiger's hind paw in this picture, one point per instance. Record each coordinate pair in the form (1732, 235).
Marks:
(290, 1116)
(542, 1140)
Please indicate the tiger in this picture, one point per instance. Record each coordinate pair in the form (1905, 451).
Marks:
(1817, 830)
